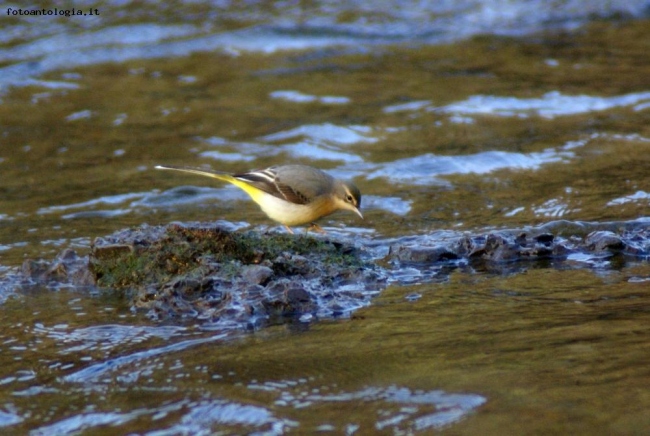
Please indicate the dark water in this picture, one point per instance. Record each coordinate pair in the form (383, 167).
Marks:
(469, 118)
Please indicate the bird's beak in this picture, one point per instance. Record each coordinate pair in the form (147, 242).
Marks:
(357, 211)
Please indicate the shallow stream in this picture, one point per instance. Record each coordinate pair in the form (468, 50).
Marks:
(451, 119)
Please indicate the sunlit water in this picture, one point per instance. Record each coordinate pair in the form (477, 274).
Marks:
(544, 119)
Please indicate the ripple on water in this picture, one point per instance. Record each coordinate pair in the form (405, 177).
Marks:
(638, 196)
(96, 372)
(288, 27)
(105, 337)
(104, 200)
(198, 418)
(299, 97)
(9, 418)
(314, 141)
(426, 169)
(550, 105)
(398, 408)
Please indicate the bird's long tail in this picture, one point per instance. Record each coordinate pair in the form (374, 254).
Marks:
(208, 173)
(220, 175)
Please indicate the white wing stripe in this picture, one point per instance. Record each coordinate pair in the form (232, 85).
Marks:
(268, 175)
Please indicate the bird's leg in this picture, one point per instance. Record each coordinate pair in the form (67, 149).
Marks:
(316, 228)
(288, 229)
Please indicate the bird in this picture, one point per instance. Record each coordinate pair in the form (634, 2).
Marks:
(291, 195)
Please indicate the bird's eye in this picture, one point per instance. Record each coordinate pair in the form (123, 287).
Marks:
(349, 198)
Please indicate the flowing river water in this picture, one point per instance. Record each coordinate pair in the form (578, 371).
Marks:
(452, 119)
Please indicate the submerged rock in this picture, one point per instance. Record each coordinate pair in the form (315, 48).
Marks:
(508, 247)
(603, 240)
(240, 279)
(422, 254)
(67, 267)
(212, 273)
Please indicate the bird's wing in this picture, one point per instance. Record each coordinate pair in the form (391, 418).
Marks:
(268, 181)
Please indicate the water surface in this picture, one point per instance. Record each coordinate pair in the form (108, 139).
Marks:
(468, 117)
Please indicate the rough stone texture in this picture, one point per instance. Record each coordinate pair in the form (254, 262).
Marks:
(233, 279)
(503, 247)
(604, 241)
(67, 267)
(247, 280)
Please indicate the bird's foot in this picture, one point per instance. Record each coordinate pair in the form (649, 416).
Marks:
(315, 228)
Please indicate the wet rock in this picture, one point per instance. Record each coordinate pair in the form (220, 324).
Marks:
(562, 249)
(35, 269)
(604, 241)
(227, 277)
(637, 242)
(421, 254)
(66, 268)
(298, 300)
(545, 239)
(245, 279)
(464, 246)
(257, 274)
(501, 249)
(288, 298)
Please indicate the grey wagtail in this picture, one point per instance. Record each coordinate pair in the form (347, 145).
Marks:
(290, 194)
